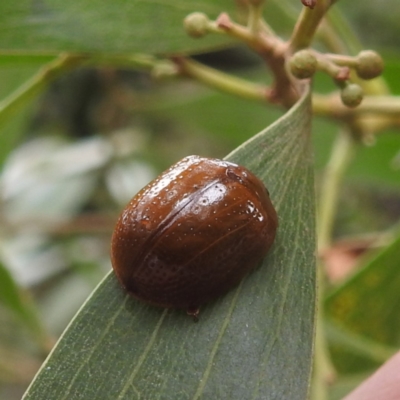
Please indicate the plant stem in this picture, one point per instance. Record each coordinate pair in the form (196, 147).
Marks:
(255, 18)
(381, 112)
(307, 24)
(34, 85)
(60, 65)
(138, 61)
(221, 81)
(342, 60)
(323, 369)
(285, 90)
(385, 108)
(341, 155)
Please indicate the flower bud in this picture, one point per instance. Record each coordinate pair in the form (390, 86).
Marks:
(303, 64)
(196, 24)
(352, 95)
(370, 64)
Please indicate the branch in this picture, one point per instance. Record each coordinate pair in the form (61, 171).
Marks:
(307, 24)
(221, 81)
(273, 50)
(331, 106)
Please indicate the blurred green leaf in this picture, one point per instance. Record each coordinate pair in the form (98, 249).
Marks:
(14, 72)
(367, 307)
(10, 295)
(103, 26)
(343, 385)
(217, 114)
(136, 26)
(350, 350)
(255, 342)
(376, 166)
(391, 73)
(15, 300)
(376, 22)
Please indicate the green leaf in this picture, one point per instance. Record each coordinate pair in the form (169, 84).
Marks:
(367, 306)
(14, 73)
(116, 26)
(225, 113)
(20, 304)
(253, 343)
(119, 26)
(10, 295)
(378, 165)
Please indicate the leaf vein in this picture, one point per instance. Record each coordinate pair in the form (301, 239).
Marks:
(214, 350)
(143, 356)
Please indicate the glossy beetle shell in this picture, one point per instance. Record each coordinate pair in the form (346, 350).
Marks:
(193, 233)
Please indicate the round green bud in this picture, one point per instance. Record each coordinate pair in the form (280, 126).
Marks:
(303, 64)
(352, 95)
(370, 64)
(196, 24)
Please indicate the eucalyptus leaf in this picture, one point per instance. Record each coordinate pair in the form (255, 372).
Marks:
(11, 296)
(253, 343)
(366, 305)
(13, 74)
(51, 26)
(19, 303)
(116, 26)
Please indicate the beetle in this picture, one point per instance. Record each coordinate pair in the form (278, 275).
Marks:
(193, 233)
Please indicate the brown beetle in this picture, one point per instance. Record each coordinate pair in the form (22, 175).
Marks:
(193, 233)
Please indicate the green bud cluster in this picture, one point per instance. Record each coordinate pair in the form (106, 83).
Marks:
(367, 64)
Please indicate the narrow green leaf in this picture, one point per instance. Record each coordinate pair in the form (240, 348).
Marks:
(154, 26)
(116, 26)
(19, 303)
(367, 305)
(14, 73)
(254, 343)
(10, 295)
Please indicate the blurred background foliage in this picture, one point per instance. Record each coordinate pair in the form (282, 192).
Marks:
(74, 155)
